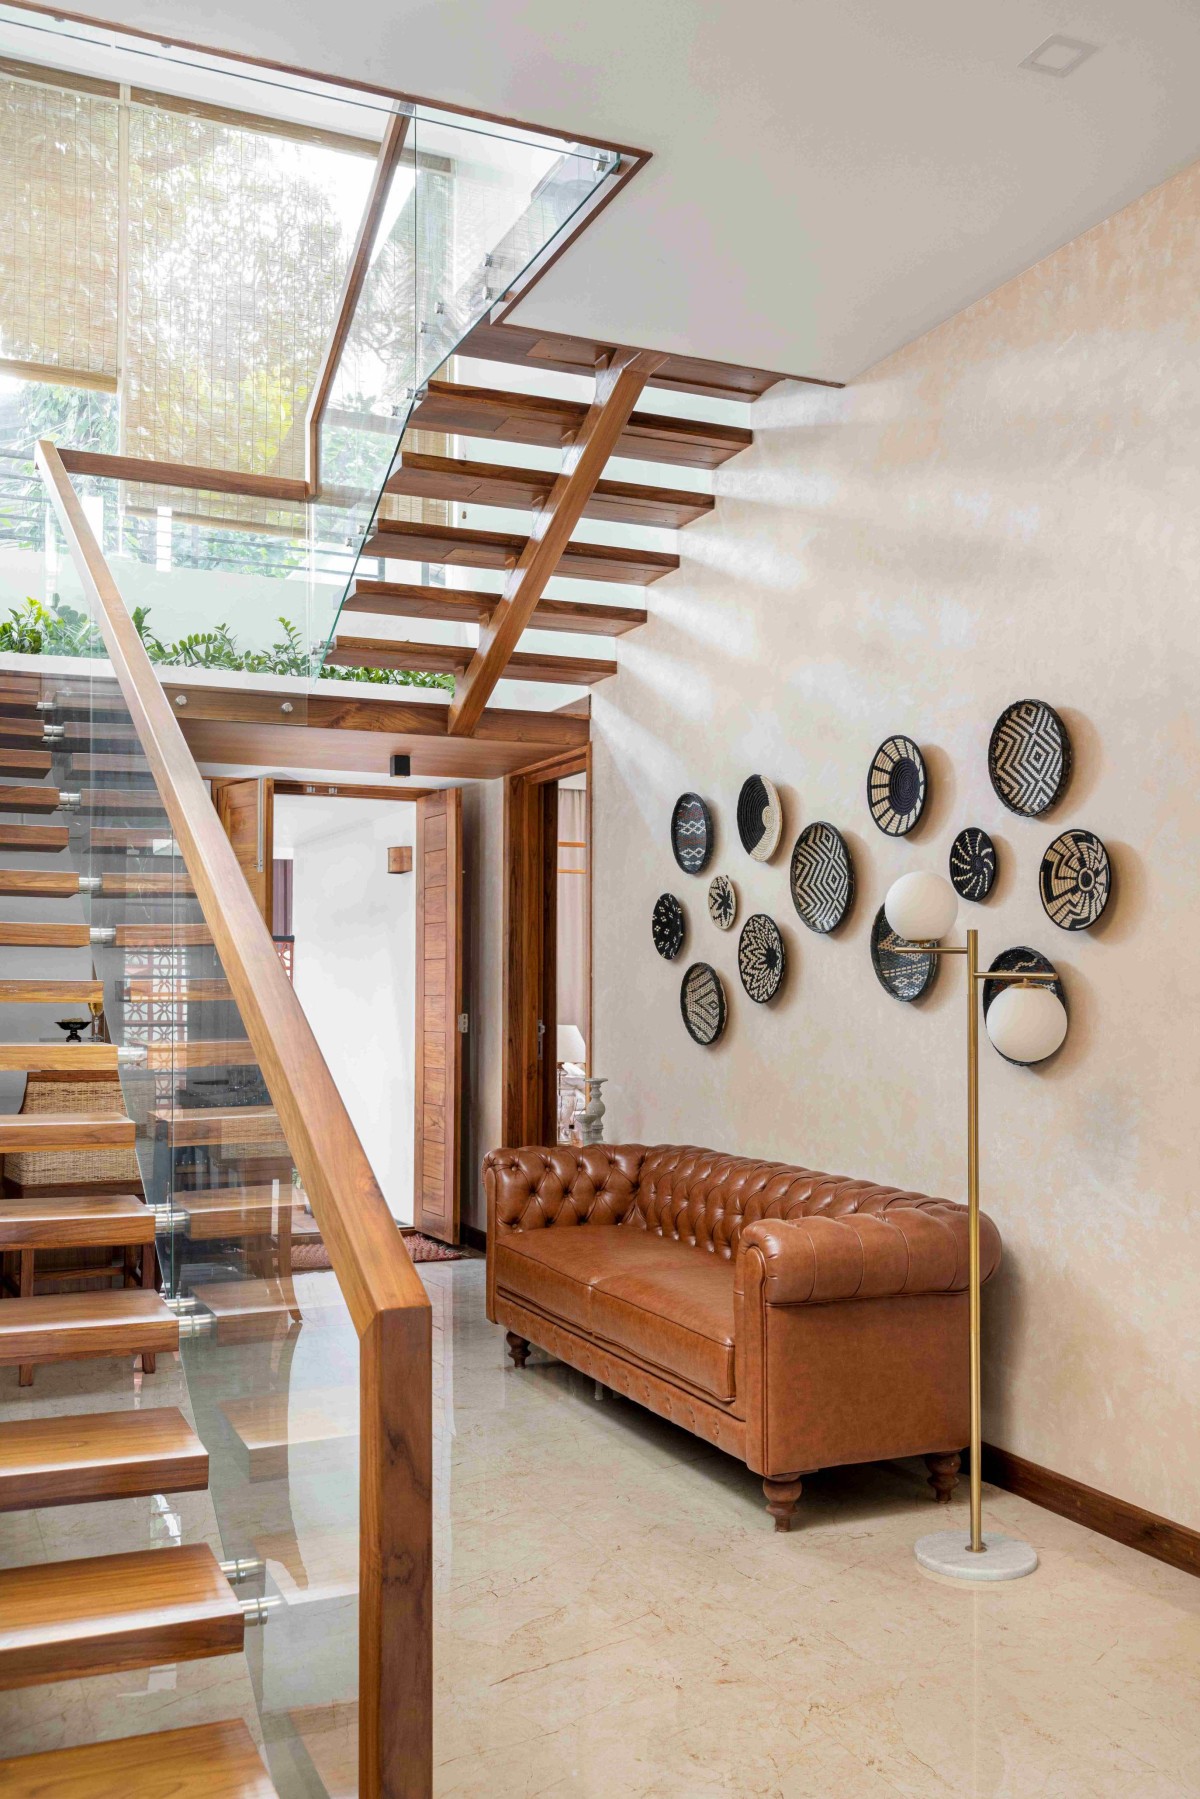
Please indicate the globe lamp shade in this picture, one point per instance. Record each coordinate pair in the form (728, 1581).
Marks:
(1026, 1024)
(921, 907)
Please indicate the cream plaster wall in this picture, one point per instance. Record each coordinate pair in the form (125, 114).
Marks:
(1007, 507)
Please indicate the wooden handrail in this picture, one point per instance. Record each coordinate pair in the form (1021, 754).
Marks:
(387, 1302)
(356, 275)
(183, 474)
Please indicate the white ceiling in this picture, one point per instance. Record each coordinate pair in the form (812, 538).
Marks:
(830, 177)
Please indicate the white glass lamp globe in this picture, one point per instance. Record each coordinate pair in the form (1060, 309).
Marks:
(921, 907)
(1026, 1024)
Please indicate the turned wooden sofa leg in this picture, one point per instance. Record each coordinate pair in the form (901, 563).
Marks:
(943, 1475)
(782, 1498)
(518, 1348)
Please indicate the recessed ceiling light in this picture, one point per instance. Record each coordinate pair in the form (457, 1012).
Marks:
(1059, 56)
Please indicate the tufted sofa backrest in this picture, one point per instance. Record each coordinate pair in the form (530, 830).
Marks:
(698, 1196)
(704, 1197)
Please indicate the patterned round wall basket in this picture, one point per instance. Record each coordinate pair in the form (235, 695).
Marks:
(1029, 757)
(896, 786)
(722, 902)
(904, 971)
(1020, 960)
(759, 817)
(667, 926)
(702, 1003)
(691, 833)
(972, 864)
(821, 877)
(1075, 880)
(762, 959)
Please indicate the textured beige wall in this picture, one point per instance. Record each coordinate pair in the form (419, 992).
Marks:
(1006, 508)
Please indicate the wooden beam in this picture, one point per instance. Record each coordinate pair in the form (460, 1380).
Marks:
(455, 658)
(183, 474)
(341, 710)
(304, 790)
(617, 390)
(356, 275)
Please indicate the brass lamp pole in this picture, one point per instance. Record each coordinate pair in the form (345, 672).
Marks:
(925, 907)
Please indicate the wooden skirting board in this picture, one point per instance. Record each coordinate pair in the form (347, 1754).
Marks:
(1166, 1541)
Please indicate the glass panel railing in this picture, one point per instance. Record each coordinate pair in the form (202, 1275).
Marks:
(270, 1352)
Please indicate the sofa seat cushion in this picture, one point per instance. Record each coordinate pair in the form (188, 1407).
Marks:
(674, 1313)
(556, 1269)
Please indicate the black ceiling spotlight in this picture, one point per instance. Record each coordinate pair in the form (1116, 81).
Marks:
(402, 765)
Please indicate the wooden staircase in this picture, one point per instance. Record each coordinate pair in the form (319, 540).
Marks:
(97, 1615)
(478, 418)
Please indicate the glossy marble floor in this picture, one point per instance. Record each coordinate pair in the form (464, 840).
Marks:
(615, 1615)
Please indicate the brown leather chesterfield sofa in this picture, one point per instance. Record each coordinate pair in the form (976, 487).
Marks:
(797, 1320)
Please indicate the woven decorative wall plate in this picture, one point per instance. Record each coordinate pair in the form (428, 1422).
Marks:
(702, 1003)
(667, 926)
(759, 817)
(722, 902)
(902, 971)
(691, 833)
(1075, 880)
(1024, 960)
(896, 786)
(972, 864)
(762, 959)
(1029, 757)
(821, 877)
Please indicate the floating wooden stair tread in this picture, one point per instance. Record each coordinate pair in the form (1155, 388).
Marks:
(75, 1218)
(23, 1131)
(59, 1058)
(250, 1308)
(28, 799)
(67, 1327)
(108, 762)
(458, 547)
(233, 1211)
(204, 1761)
(190, 1127)
(268, 1428)
(34, 837)
(455, 658)
(77, 1459)
(38, 883)
(162, 936)
(108, 1613)
(200, 1052)
(396, 599)
(489, 484)
(52, 993)
(16, 933)
(123, 799)
(159, 992)
(528, 347)
(25, 762)
(533, 419)
(125, 837)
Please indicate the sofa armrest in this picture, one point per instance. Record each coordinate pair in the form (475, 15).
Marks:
(866, 1255)
(530, 1189)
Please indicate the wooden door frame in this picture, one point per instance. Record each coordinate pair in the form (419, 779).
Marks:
(528, 1105)
(450, 800)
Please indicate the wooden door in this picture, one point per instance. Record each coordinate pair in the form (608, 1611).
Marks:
(439, 870)
(246, 809)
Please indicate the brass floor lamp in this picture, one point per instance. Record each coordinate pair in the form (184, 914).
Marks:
(1027, 1022)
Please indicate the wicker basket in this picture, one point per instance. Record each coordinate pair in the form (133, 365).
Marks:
(67, 1168)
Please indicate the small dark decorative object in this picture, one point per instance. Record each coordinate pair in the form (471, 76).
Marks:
(1075, 880)
(903, 970)
(822, 877)
(759, 817)
(896, 786)
(722, 902)
(761, 957)
(667, 925)
(702, 1002)
(1026, 961)
(1029, 757)
(972, 864)
(73, 1026)
(691, 833)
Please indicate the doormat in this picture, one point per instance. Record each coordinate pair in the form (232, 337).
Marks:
(309, 1257)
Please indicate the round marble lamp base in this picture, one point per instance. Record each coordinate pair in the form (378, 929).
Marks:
(948, 1552)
